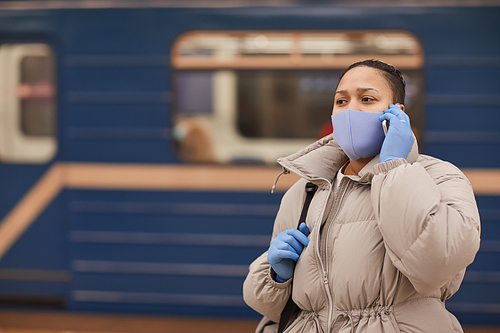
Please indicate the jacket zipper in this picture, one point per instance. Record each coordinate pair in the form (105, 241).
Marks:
(325, 266)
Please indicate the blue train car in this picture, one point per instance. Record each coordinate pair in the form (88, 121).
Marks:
(138, 145)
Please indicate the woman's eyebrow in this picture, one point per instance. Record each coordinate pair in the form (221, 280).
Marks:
(359, 90)
(366, 89)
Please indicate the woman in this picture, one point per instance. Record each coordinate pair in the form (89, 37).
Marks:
(389, 232)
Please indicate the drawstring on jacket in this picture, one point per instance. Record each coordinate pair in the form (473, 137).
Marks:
(285, 172)
(349, 318)
(352, 317)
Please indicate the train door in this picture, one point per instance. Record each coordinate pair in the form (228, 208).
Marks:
(31, 255)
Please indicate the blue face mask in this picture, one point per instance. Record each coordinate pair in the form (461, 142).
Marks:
(359, 134)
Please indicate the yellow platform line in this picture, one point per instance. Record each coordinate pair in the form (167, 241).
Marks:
(164, 178)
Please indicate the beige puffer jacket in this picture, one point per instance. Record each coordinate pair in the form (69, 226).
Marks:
(384, 253)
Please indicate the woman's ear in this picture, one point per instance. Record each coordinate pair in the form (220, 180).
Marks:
(401, 106)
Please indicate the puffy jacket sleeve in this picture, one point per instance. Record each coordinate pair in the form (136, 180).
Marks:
(428, 218)
(260, 291)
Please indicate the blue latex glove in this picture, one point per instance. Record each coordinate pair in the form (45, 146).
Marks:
(285, 250)
(399, 138)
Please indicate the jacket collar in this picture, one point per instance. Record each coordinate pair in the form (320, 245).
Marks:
(322, 159)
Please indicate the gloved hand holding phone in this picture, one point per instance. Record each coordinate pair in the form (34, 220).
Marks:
(285, 250)
(399, 138)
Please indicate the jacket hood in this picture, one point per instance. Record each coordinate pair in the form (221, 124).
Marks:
(322, 160)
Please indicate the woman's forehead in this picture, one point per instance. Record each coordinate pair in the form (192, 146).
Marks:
(363, 77)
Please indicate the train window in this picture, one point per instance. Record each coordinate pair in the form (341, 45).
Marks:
(252, 96)
(27, 103)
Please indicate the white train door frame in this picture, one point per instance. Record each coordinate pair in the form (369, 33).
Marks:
(16, 144)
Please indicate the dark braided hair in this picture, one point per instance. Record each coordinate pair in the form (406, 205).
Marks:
(392, 75)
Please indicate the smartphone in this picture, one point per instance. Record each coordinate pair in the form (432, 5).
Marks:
(385, 125)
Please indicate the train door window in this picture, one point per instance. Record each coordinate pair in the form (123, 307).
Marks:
(252, 96)
(27, 103)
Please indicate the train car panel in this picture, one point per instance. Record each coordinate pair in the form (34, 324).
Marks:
(179, 248)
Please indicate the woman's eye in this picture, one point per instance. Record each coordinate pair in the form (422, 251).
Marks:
(367, 99)
(341, 101)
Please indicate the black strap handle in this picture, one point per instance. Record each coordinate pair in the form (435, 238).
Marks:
(310, 190)
(290, 306)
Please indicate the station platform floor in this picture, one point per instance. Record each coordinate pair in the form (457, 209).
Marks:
(12, 321)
